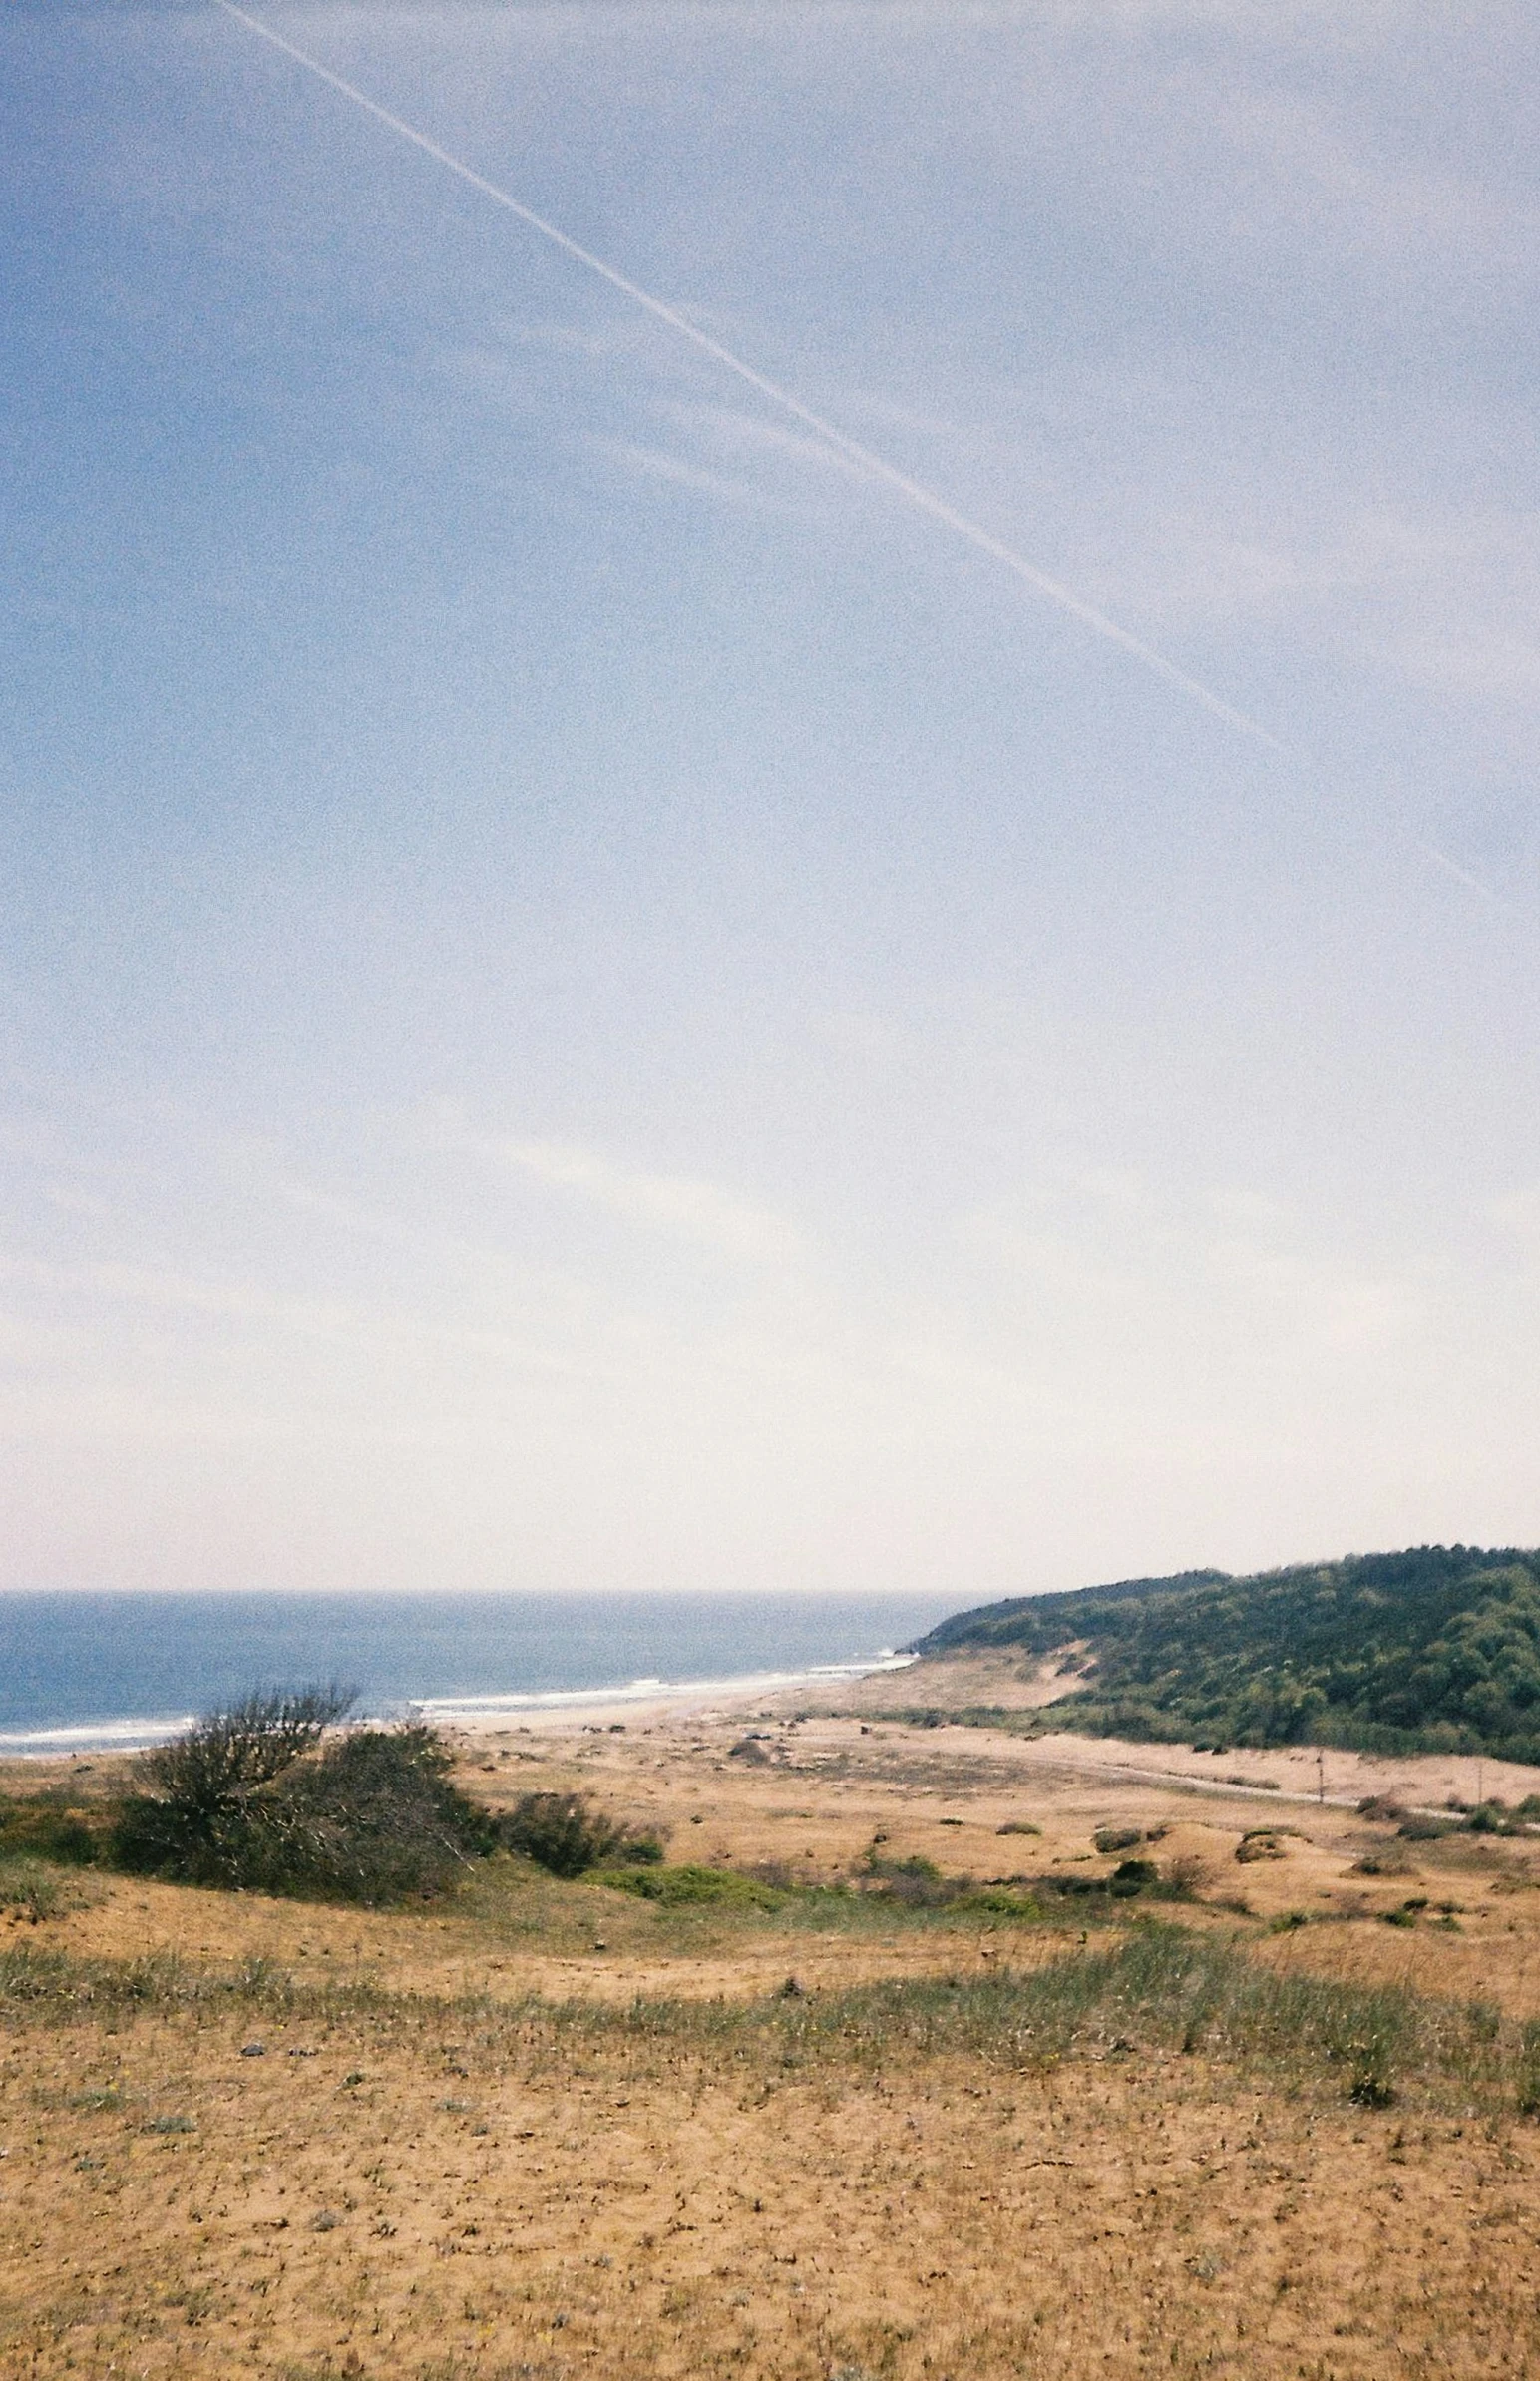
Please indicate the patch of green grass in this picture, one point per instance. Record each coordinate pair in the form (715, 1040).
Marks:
(41, 1827)
(689, 1909)
(689, 1886)
(999, 1901)
(36, 1889)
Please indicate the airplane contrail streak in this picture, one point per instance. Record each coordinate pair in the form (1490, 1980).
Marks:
(1462, 876)
(924, 500)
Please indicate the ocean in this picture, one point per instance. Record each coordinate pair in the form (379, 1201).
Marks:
(85, 1673)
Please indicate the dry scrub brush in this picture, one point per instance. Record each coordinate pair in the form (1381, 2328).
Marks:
(1158, 1990)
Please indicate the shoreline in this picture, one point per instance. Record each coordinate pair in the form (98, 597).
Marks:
(838, 1700)
(480, 1714)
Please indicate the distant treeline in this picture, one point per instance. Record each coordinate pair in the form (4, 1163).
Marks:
(1437, 1649)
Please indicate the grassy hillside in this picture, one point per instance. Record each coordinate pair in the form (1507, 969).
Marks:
(1434, 1650)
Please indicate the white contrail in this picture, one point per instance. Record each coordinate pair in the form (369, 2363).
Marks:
(924, 500)
(1461, 876)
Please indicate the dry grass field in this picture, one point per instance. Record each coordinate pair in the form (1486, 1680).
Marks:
(551, 2130)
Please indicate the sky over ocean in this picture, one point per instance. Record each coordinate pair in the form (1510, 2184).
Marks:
(604, 991)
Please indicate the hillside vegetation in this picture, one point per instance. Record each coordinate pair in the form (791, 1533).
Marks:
(1434, 1649)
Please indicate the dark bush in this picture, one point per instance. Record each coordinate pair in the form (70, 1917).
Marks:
(250, 1797)
(151, 1840)
(567, 1835)
(1131, 1876)
(373, 1819)
(1495, 1819)
(200, 1820)
(1117, 1839)
(916, 1883)
(1260, 1844)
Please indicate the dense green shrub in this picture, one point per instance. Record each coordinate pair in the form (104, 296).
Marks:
(372, 1819)
(566, 1836)
(689, 1886)
(251, 1796)
(916, 1883)
(200, 1820)
(999, 1901)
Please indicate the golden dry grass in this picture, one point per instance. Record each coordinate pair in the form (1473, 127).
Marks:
(428, 2176)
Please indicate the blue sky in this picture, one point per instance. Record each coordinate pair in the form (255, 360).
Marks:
(594, 998)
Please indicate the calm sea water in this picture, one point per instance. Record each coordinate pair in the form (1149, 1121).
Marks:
(90, 1671)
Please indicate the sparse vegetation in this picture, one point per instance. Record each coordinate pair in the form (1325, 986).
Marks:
(43, 1829)
(1154, 1985)
(1187, 1877)
(35, 1890)
(781, 2111)
(783, 2185)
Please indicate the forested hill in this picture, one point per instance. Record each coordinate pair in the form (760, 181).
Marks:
(1435, 1650)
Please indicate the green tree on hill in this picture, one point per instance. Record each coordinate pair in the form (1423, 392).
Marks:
(1433, 1648)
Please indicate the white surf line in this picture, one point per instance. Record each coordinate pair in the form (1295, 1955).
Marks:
(924, 500)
